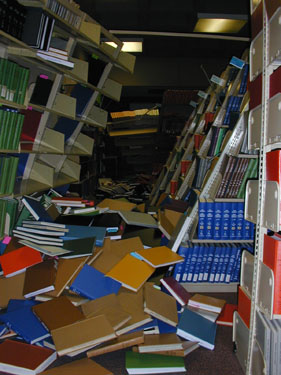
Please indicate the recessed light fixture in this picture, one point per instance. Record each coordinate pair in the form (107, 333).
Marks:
(220, 23)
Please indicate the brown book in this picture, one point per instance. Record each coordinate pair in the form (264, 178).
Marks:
(83, 366)
(82, 335)
(57, 312)
(40, 278)
(108, 306)
(132, 303)
(121, 342)
(21, 358)
(11, 287)
(115, 205)
(160, 305)
(188, 347)
(66, 270)
(207, 302)
(161, 341)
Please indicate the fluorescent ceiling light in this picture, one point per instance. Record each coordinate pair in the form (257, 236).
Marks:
(133, 46)
(220, 23)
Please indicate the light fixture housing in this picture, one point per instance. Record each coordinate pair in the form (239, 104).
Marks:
(129, 45)
(220, 23)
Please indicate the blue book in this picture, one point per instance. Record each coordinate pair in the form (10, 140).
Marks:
(233, 221)
(209, 261)
(232, 260)
(246, 229)
(66, 126)
(203, 263)
(165, 327)
(193, 261)
(202, 218)
(198, 263)
(252, 231)
(186, 264)
(82, 94)
(178, 269)
(3, 329)
(15, 304)
(195, 327)
(226, 212)
(220, 263)
(150, 326)
(217, 220)
(210, 218)
(240, 221)
(236, 268)
(81, 231)
(93, 284)
(26, 324)
(225, 263)
(36, 209)
(215, 263)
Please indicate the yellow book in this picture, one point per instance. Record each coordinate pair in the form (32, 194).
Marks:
(159, 256)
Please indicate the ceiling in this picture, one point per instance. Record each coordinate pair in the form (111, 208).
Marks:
(179, 60)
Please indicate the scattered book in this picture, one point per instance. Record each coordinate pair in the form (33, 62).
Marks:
(148, 363)
(161, 341)
(83, 366)
(82, 335)
(40, 278)
(131, 272)
(195, 327)
(206, 302)
(21, 358)
(138, 218)
(121, 342)
(225, 318)
(52, 251)
(159, 256)
(36, 209)
(11, 287)
(176, 289)
(210, 315)
(160, 305)
(188, 347)
(57, 312)
(93, 284)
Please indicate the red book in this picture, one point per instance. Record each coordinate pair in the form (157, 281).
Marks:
(274, 85)
(176, 290)
(244, 306)
(226, 316)
(22, 358)
(255, 89)
(18, 260)
(273, 166)
(30, 125)
(272, 259)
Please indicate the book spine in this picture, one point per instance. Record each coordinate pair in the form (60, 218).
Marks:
(210, 218)
(209, 261)
(193, 261)
(232, 258)
(198, 263)
(236, 268)
(217, 220)
(225, 226)
(240, 221)
(186, 264)
(178, 269)
(202, 219)
(203, 263)
(233, 220)
(220, 263)
(225, 263)
(214, 265)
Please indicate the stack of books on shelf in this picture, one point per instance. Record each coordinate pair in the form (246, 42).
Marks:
(12, 18)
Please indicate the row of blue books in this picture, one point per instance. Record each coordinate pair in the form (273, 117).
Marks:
(233, 105)
(214, 263)
(223, 221)
(244, 80)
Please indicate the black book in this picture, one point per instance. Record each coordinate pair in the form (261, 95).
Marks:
(33, 29)
(41, 91)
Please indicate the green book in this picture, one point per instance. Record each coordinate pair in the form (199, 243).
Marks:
(14, 84)
(10, 130)
(4, 173)
(219, 141)
(9, 92)
(18, 76)
(4, 79)
(23, 86)
(148, 363)
(2, 62)
(17, 133)
(2, 115)
(3, 205)
(13, 167)
(23, 215)
(11, 215)
(247, 175)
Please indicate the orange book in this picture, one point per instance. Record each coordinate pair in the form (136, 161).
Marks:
(159, 256)
(131, 272)
(226, 316)
(272, 259)
(244, 306)
(18, 260)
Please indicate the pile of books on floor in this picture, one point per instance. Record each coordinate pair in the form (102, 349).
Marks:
(70, 289)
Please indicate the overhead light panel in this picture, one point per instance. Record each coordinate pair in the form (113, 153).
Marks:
(129, 46)
(220, 23)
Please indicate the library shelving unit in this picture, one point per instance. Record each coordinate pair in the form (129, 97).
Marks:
(256, 325)
(212, 105)
(51, 158)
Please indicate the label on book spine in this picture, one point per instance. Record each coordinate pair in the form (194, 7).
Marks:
(202, 94)
(219, 81)
(238, 63)
(193, 103)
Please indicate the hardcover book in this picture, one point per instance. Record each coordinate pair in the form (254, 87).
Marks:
(83, 366)
(159, 256)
